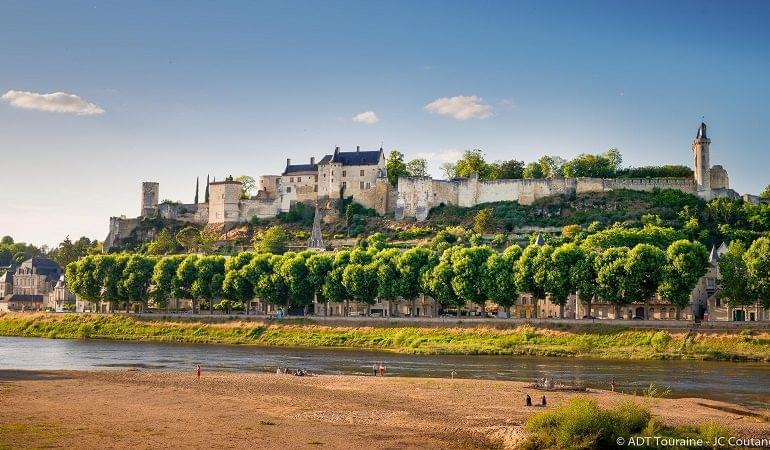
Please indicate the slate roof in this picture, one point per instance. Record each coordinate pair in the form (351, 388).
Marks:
(701, 131)
(357, 158)
(42, 266)
(23, 298)
(296, 168)
(7, 277)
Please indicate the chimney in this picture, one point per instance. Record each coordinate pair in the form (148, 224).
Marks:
(288, 161)
(336, 150)
(358, 148)
(312, 160)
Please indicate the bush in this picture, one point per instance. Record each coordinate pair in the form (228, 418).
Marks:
(582, 424)
(660, 340)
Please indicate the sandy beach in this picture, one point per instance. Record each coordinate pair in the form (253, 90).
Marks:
(142, 409)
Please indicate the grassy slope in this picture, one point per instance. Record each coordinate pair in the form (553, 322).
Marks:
(600, 342)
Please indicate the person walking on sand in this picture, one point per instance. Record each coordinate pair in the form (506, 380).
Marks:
(453, 374)
(374, 369)
(529, 400)
(382, 370)
(543, 402)
(197, 371)
(612, 384)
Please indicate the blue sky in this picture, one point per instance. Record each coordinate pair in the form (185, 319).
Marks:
(187, 89)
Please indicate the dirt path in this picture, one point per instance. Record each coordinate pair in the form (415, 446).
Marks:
(119, 409)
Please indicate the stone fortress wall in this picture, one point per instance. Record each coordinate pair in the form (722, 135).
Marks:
(417, 195)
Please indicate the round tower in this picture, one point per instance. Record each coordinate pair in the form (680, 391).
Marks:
(702, 167)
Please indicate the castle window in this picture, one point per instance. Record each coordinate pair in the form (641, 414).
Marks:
(711, 283)
(291, 179)
(362, 172)
(316, 178)
(315, 188)
(299, 179)
(368, 185)
(361, 185)
(344, 184)
(344, 173)
(288, 189)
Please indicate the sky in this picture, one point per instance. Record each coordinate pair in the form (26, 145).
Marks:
(100, 96)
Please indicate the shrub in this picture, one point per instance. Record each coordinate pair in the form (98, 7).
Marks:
(660, 340)
(582, 424)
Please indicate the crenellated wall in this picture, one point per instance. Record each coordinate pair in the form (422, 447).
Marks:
(417, 195)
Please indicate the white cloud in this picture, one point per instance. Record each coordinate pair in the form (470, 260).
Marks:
(461, 107)
(60, 102)
(368, 117)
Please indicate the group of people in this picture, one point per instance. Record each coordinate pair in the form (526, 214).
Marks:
(296, 372)
(378, 367)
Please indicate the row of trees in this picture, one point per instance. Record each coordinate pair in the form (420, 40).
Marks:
(604, 165)
(14, 253)
(448, 270)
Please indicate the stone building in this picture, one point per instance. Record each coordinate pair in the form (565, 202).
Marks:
(60, 299)
(360, 175)
(28, 286)
(417, 195)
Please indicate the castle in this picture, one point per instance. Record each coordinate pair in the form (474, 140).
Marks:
(362, 176)
(417, 195)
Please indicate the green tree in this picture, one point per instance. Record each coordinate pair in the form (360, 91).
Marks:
(437, 281)
(644, 272)
(137, 279)
(388, 275)
(163, 244)
(210, 275)
(561, 280)
(395, 167)
(81, 278)
(499, 277)
(583, 279)
(417, 167)
(186, 274)
(68, 251)
(236, 287)
(735, 285)
(248, 185)
(319, 266)
(109, 270)
(273, 240)
(333, 288)
(483, 221)
(507, 170)
(757, 259)
(296, 277)
(533, 170)
(411, 265)
(525, 275)
(189, 239)
(469, 266)
(766, 192)
(686, 263)
(361, 282)
(164, 280)
(473, 161)
(610, 266)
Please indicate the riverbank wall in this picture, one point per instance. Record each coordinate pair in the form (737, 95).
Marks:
(598, 342)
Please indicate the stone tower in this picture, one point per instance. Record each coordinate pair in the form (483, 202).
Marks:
(150, 190)
(224, 201)
(702, 167)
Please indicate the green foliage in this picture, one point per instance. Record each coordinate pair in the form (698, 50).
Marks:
(248, 185)
(417, 168)
(189, 239)
(482, 223)
(582, 424)
(395, 167)
(660, 340)
(273, 240)
(298, 213)
(757, 260)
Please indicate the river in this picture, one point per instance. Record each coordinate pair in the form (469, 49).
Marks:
(747, 384)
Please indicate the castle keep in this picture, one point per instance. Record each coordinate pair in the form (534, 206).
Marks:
(417, 195)
(362, 176)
